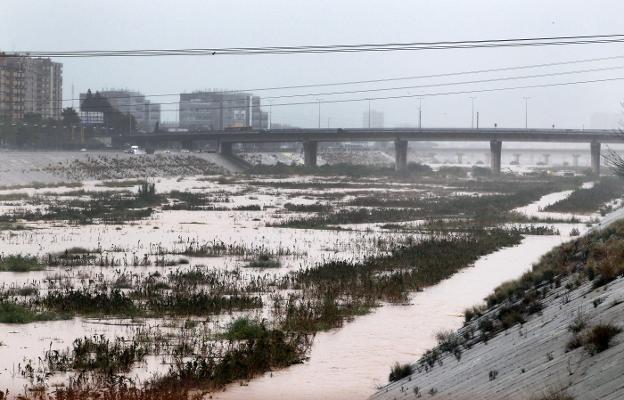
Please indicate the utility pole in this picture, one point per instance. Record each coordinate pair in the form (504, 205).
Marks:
(472, 98)
(319, 113)
(526, 112)
(420, 113)
(369, 113)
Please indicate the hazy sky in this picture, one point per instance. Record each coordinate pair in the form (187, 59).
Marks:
(116, 25)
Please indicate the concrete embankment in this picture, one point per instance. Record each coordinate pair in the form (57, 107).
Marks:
(540, 339)
(23, 167)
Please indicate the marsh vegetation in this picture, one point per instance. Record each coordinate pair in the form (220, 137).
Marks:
(234, 290)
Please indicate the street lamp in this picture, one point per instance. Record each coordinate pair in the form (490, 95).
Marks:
(420, 112)
(472, 99)
(319, 112)
(526, 112)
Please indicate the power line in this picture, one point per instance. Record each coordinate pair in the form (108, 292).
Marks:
(338, 48)
(380, 80)
(450, 83)
(431, 85)
(431, 94)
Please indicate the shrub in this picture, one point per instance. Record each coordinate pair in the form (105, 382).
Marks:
(578, 323)
(474, 312)
(574, 343)
(400, 371)
(599, 337)
(553, 395)
(244, 329)
(448, 341)
(264, 261)
(11, 313)
(20, 263)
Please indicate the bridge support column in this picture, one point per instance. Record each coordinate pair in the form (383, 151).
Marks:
(187, 144)
(496, 149)
(310, 151)
(595, 157)
(400, 155)
(225, 148)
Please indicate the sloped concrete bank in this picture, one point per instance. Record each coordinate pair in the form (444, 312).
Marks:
(540, 337)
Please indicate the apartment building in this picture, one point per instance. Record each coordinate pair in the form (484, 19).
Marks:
(219, 110)
(30, 85)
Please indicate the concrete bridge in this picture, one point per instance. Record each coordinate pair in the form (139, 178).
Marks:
(400, 136)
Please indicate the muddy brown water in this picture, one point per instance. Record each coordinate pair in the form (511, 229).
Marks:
(344, 363)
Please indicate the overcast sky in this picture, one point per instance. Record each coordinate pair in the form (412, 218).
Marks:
(133, 24)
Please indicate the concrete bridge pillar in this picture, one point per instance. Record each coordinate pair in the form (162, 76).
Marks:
(310, 151)
(400, 156)
(546, 158)
(225, 148)
(496, 149)
(187, 144)
(576, 159)
(595, 157)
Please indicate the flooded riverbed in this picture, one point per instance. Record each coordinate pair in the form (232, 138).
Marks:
(349, 363)
(248, 219)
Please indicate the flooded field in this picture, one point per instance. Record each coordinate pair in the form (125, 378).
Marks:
(259, 286)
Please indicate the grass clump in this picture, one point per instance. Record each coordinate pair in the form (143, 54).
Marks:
(264, 260)
(11, 313)
(598, 338)
(244, 328)
(589, 200)
(307, 207)
(19, 263)
(121, 183)
(553, 395)
(400, 371)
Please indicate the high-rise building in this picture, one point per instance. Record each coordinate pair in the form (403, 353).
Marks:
(373, 120)
(219, 110)
(30, 85)
(146, 113)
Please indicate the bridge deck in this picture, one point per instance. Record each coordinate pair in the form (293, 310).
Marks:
(354, 135)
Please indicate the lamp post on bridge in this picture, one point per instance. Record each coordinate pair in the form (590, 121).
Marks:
(319, 112)
(526, 112)
(472, 99)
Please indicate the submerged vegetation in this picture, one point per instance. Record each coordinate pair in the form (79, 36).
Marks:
(19, 263)
(587, 200)
(400, 371)
(217, 312)
(11, 313)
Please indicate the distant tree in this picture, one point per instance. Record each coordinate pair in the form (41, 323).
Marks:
(32, 118)
(8, 131)
(113, 118)
(70, 117)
